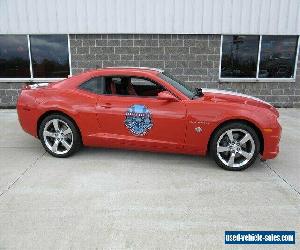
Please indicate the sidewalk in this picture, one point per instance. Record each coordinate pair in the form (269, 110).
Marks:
(118, 199)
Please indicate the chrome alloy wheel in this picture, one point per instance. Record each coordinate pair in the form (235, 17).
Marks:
(58, 136)
(235, 148)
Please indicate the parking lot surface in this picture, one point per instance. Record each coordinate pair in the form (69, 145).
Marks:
(119, 199)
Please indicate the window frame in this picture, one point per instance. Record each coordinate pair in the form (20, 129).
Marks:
(131, 76)
(39, 79)
(257, 78)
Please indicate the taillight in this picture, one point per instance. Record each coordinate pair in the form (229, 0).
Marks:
(25, 86)
(34, 86)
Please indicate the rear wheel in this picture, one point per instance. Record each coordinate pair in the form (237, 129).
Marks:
(235, 146)
(59, 136)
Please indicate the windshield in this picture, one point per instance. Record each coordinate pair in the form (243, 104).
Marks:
(182, 87)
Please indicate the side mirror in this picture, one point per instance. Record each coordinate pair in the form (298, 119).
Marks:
(166, 96)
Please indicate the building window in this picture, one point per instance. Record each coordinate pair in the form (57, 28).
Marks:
(14, 56)
(49, 56)
(239, 56)
(258, 57)
(46, 57)
(277, 57)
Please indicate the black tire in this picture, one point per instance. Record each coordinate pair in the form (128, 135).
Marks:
(76, 137)
(234, 126)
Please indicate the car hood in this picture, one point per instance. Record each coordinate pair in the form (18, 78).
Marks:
(217, 95)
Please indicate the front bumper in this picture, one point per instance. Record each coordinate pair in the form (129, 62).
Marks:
(271, 143)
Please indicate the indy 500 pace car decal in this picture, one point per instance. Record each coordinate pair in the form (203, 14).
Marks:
(138, 120)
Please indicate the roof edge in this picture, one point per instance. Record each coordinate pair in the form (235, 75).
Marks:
(142, 68)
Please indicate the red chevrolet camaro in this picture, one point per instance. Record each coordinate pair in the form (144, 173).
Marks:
(148, 109)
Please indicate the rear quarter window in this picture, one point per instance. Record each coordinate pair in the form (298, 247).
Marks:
(95, 85)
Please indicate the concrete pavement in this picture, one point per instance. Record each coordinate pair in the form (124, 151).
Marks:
(118, 199)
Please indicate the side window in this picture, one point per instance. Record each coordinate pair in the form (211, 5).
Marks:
(114, 86)
(131, 86)
(94, 85)
(145, 87)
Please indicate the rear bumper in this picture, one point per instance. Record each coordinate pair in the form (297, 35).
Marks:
(271, 143)
(27, 115)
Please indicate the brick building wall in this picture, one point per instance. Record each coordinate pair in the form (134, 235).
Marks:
(192, 58)
(9, 92)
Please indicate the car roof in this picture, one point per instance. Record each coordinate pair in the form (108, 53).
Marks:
(127, 69)
(135, 68)
(117, 70)
(75, 79)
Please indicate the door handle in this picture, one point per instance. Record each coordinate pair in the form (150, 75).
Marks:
(106, 105)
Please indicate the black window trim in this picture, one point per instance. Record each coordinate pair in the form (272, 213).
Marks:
(132, 76)
(39, 79)
(116, 76)
(257, 78)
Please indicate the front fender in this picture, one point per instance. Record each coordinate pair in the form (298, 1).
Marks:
(209, 116)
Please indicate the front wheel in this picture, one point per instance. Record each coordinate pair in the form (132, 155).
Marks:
(59, 136)
(235, 146)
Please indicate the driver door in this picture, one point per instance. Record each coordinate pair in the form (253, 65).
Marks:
(140, 119)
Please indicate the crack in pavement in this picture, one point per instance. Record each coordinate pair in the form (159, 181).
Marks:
(280, 177)
(32, 165)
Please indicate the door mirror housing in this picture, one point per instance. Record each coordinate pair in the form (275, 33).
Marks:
(166, 96)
